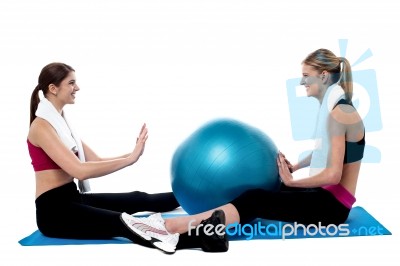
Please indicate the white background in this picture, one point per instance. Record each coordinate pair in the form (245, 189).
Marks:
(175, 65)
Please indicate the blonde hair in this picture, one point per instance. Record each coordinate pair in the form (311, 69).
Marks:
(339, 67)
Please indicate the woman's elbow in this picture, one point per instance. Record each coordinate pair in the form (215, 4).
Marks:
(79, 173)
(334, 177)
(81, 176)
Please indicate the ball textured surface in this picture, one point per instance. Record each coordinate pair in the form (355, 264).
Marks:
(221, 160)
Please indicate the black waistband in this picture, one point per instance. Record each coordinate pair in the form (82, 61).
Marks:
(67, 192)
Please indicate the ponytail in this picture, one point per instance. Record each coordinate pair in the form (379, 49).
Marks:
(34, 103)
(346, 78)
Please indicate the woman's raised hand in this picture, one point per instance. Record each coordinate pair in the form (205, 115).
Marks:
(140, 144)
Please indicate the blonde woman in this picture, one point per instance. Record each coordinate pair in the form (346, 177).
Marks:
(325, 196)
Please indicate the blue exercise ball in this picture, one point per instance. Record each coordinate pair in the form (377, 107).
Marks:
(220, 161)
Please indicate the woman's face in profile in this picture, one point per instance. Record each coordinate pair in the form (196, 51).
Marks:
(67, 89)
(311, 79)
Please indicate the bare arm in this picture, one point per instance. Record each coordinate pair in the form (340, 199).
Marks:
(299, 165)
(45, 137)
(329, 176)
(305, 162)
(91, 156)
(333, 172)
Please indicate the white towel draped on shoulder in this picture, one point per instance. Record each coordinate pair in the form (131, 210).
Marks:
(319, 159)
(47, 111)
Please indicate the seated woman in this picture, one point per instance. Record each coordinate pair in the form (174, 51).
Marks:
(59, 157)
(326, 196)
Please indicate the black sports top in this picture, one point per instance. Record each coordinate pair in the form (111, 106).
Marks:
(354, 151)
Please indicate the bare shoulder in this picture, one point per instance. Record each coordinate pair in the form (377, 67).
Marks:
(346, 114)
(346, 117)
(39, 130)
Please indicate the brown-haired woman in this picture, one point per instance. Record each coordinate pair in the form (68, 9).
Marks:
(62, 211)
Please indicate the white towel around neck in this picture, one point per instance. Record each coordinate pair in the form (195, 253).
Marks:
(319, 159)
(71, 140)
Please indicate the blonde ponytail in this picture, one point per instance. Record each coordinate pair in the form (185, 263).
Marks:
(346, 78)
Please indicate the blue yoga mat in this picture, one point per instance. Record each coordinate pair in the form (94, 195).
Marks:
(359, 223)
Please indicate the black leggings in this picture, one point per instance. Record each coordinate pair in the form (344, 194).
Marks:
(305, 206)
(64, 212)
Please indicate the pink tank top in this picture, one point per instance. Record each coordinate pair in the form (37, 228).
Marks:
(341, 194)
(40, 160)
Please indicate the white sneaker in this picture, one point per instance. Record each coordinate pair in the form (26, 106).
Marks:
(152, 229)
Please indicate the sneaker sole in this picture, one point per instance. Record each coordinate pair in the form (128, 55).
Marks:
(168, 249)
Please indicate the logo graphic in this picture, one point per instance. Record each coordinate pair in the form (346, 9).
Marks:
(283, 230)
(303, 110)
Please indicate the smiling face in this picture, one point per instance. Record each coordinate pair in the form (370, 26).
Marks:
(312, 80)
(67, 89)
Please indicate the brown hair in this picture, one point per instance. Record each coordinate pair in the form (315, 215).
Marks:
(339, 67)
(52, 73)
